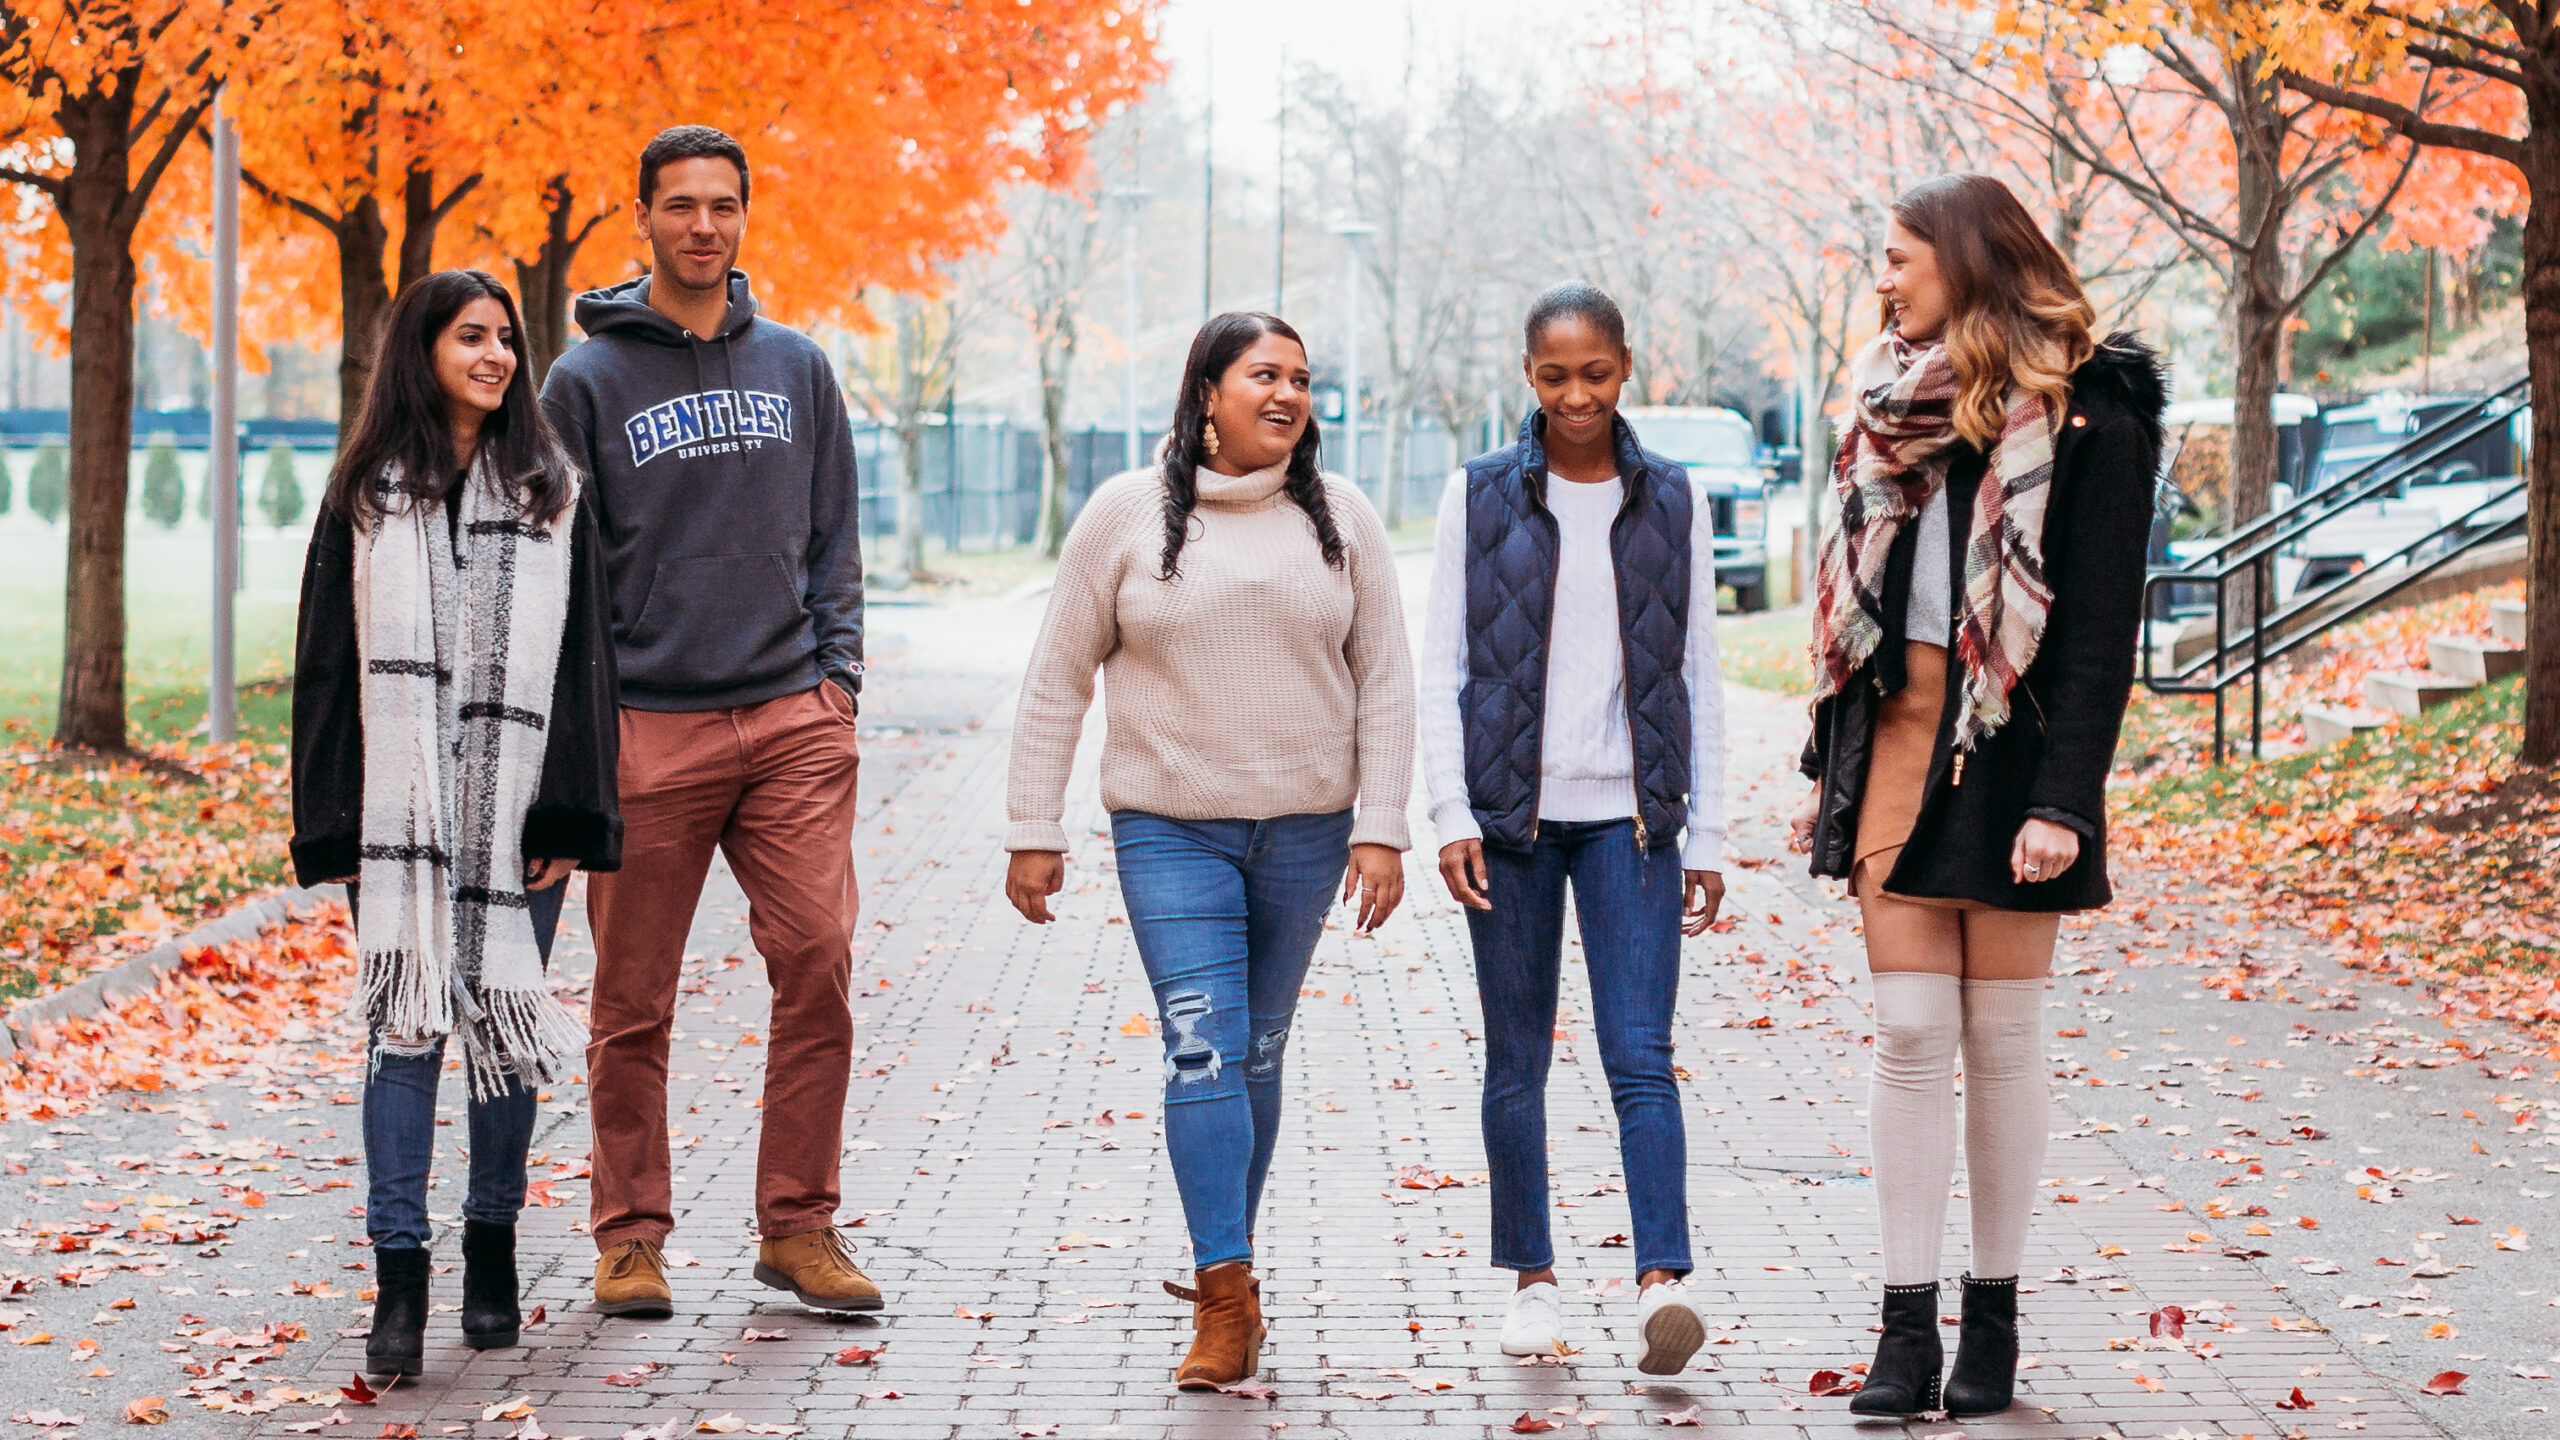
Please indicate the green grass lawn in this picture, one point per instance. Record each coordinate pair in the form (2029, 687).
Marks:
(169, 622)
(1767, 651)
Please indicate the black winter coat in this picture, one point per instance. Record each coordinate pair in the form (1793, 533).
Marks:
(2050, 761)
(576, 814)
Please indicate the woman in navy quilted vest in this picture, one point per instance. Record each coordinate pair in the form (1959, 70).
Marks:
(1572, 717)
(1974, 631)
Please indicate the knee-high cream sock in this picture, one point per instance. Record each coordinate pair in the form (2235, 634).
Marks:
(1912, 1110)
(2007, 1115)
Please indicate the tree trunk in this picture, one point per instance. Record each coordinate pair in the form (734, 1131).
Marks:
(911, 493)
(364, 300)
(1813, 468)
(95, 204)
(1399, 437)
(1057, 363)
(542, 287)
(418, 219)
(2542, 490)
(2258, 313)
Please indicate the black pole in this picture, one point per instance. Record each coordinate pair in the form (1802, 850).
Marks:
(2257, 655)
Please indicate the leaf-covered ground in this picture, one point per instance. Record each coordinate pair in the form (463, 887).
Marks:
(2423, 846)
(100, 860)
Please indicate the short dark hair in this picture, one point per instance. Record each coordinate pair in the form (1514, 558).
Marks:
(689, 142)
(1587, 303)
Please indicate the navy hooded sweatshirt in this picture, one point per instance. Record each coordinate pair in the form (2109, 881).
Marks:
(725, 495)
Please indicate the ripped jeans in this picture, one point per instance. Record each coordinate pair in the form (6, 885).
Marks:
(1226, 914)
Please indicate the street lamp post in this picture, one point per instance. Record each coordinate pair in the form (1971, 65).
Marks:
(1133, 198)
(222, 456)
(1352, 232)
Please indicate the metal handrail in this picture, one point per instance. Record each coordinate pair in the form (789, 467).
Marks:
(2317, 507)
(2242, 652)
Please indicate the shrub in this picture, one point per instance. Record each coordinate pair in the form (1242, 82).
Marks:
(280, 492)
(164, 487)
(48, 484)
(8, 487)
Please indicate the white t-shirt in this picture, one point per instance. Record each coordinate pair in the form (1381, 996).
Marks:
(1587, 761)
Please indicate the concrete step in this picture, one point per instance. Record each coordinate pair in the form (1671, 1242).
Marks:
(2474, 658)
(2506, 620)
(2324, 725)
(2408, 692)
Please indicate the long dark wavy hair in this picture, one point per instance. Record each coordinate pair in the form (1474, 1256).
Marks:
(403, 428)
(1213, 352)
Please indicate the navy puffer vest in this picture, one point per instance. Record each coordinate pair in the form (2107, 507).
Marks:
(1512, 549)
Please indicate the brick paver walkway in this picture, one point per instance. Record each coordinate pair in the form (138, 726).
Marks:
(1008, 1176)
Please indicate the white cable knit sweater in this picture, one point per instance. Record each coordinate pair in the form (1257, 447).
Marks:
(1258, 682)
(1587, 762)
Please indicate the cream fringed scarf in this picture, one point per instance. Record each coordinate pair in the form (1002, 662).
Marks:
(458, 631)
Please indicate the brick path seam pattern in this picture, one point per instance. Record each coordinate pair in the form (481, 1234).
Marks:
(1006, 1173)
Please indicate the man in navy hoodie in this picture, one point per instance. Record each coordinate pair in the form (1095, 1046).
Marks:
(722, 475)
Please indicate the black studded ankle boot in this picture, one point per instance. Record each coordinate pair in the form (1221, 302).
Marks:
(398, 1344)
(1903, 1379)
(490, 1318)
(1986, 1371)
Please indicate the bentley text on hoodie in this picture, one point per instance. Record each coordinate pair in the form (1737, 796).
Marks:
(725, 493)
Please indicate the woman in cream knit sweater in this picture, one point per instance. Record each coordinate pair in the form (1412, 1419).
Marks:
(1259, 747)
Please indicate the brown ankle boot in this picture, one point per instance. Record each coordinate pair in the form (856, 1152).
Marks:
(1226, 1325)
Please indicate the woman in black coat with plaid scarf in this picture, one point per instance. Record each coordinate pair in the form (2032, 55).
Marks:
(1976, 619)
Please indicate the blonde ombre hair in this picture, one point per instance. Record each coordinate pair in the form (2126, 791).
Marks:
(2016, 315)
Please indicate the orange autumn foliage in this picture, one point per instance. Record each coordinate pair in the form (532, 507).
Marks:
(881, 136)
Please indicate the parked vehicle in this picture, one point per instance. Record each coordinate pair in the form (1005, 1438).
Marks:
(2354, 436)
(2431, 492)
(1722, 454)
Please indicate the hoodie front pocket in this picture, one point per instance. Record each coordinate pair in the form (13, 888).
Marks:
(714, 620)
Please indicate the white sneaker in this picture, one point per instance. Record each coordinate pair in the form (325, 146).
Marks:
(1671, 1328)
(1535, 1323)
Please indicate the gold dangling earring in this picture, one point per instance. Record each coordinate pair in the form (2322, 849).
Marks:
(1209, 437)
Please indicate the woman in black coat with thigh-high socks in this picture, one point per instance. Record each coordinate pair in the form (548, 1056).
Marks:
(1976, 615)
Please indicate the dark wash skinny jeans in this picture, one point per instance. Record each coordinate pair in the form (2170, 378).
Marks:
(1629, 903)
(400, 1127)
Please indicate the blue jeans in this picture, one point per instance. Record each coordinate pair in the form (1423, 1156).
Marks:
(400, 1127)
(1629, 904)
(1226, 914)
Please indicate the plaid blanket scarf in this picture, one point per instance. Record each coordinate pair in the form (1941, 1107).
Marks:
(1894, 458)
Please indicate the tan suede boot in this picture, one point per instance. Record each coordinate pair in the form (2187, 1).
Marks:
(817, 1268)
(1226, 1325)
(631, 1279)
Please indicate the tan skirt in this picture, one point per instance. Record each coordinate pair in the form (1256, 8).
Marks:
(1898, 772)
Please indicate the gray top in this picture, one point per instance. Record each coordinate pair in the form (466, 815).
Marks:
(1929, 618)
